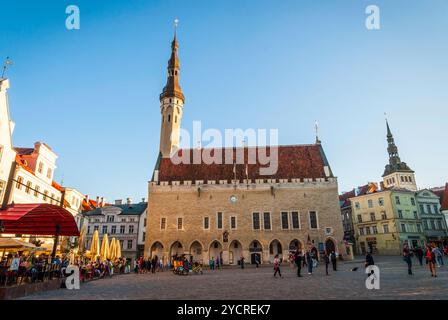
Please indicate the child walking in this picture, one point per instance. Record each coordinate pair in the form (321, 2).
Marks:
(277, 266)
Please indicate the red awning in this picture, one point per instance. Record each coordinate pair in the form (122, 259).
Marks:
(38, 219)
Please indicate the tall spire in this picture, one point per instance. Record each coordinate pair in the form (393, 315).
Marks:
(392, 149)
(395, 163)
(172, 88)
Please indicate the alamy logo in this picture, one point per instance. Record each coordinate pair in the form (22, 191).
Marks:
(72, 280)
(373, 18)
(373, 278)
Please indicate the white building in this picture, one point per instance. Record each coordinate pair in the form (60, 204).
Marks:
(7, 153)
(27, 174)
(124, 222)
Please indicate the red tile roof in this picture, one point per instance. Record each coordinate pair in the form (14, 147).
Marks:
(24, 151)
(22, 162)
(444, 198)
(294, 162)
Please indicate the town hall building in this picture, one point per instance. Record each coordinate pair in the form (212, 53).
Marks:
(230, 209)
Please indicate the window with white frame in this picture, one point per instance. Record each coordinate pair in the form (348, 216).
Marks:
(313, 220)
(206, 223)
(267, 221)
(233, 223)
(219, 220)
(284, 220)
(256, 221)
(295, 220)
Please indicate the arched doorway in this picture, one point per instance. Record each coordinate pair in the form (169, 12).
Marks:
(295, 245)
(275, 247)
(235, 252)
(156, 250)
(330, 246)
(256, 251)
(215, 250)
(176, 250)
(196, 252)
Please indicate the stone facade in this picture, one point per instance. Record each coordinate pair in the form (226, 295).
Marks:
(186, 202)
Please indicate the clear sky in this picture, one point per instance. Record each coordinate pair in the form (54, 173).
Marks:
(92, 94)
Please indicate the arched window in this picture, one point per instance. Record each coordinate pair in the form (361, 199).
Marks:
(175, 119)
(169, 118)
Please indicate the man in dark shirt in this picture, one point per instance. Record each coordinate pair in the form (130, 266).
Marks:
(298, 260)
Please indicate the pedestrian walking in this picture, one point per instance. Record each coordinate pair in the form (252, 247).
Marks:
(257, 260)
(439, 256)
(327, 262)
(419, 254)
(407, 258)
(242, 262)
(277, 266)
(309, 262)
(430, 261)
(298, 260)
(333, 260)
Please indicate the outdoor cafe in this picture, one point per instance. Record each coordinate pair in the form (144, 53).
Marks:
(24, 266)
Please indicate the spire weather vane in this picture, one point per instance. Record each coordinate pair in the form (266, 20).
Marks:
(8, 62)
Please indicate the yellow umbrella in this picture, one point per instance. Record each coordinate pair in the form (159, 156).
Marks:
(112, 250)
(104, 253)
(82, 236)
(118, 249)
(95, 247)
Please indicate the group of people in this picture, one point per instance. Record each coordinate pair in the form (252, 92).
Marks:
(151, 265)
(20, 268)
(299, 260)
(97, 269)
(215, 263)
(432, 253)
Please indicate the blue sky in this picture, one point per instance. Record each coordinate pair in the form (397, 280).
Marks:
(92, 94)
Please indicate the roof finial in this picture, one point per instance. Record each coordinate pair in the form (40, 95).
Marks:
(176, 23)
(316, 128)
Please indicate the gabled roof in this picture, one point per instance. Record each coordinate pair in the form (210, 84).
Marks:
(124, 209)
(24, 151)
(294, 162)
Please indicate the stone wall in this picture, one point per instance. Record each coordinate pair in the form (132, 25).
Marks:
(193, 202)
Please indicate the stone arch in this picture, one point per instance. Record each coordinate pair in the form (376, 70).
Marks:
(215, 250)
(295, 244)
(156, 249)
(330, 245)
(176, 249)
(235, 252)
(275, 247)
(256, 250)
(196, 251)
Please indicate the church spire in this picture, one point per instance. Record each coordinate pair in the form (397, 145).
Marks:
(392, 149)
(172, 88)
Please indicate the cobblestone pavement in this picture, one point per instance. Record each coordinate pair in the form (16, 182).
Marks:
(251, 283)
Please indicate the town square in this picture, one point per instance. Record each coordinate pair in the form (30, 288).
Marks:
(148, 152)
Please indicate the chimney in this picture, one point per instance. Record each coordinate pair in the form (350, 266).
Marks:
(129, 201)
(118, 202)
(87, 198)
(97, 201)
(103, 201)
(143, 200)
